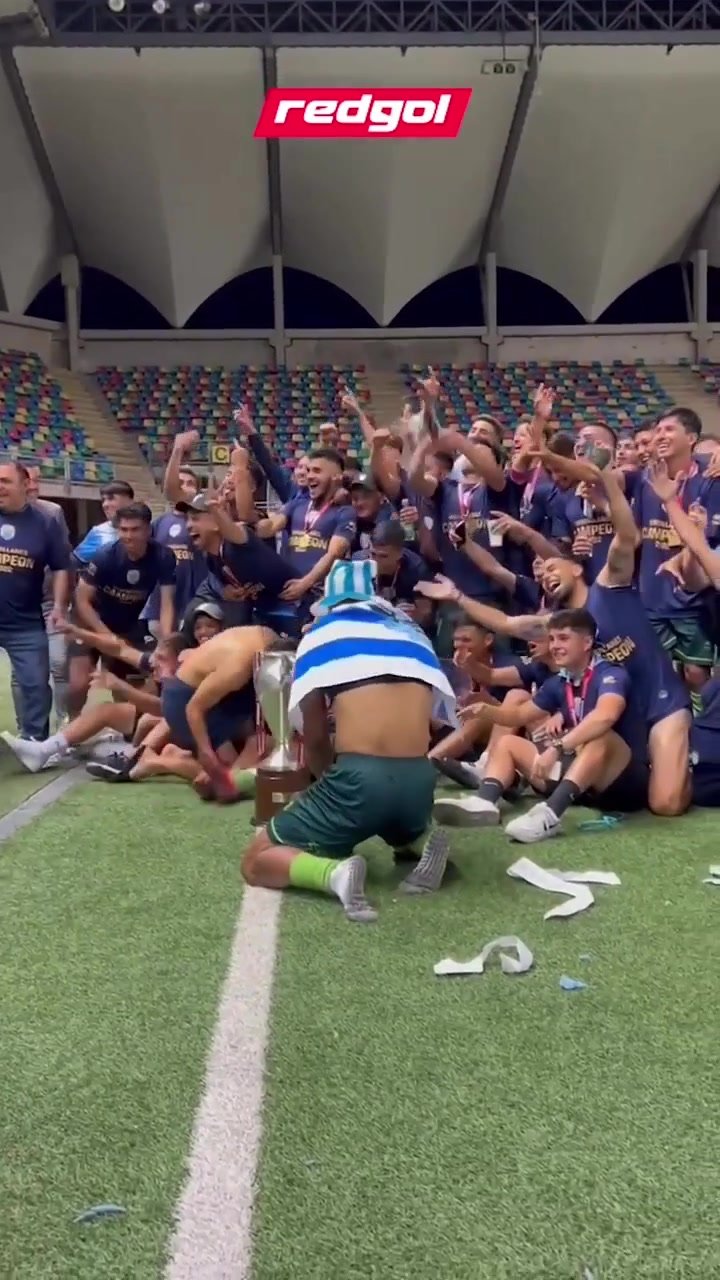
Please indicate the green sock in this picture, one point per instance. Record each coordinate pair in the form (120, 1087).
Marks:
(243, 781)
(309, 872)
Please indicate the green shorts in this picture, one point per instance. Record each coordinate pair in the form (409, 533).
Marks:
(359, 797)
(685, 639)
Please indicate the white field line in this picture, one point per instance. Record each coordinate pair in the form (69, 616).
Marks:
(26, 812)
(213, 1236)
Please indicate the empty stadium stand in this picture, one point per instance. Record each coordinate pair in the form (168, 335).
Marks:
(38, 424)
(622, 395)
(287, 405)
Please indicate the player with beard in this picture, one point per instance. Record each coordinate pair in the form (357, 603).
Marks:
(625, 636)
(371, 509)
(246, 574)
(317, 531)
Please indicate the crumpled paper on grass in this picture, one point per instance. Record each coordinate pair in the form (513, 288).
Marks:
(572, 884)
(521, 962)
(714, 875)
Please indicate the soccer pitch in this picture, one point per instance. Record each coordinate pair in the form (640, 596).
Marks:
(490, 1128)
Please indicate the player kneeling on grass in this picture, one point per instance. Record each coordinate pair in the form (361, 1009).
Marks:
(599, 754)
(207, 732)
(375, 671)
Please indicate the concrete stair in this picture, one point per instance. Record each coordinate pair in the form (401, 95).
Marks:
(109, 440)
(687, 389)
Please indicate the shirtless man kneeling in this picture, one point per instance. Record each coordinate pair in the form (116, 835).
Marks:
(379, 675)
(206, 733)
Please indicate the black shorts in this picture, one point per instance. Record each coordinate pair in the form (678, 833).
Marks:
(138, 638)
(230, 720)
(627, 794)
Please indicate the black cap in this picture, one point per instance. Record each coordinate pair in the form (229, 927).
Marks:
(199, 503)
(365, 482)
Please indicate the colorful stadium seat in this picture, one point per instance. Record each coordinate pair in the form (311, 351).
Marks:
(622, 395)
(710, 375)
(287, 405)
(38, 425)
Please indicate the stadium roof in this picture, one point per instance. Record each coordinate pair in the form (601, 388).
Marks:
(165, 188)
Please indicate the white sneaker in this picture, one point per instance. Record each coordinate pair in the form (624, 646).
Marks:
(467, 811)
(539, 823)
(30, 754)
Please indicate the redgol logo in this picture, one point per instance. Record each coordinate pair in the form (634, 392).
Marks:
(363, 113)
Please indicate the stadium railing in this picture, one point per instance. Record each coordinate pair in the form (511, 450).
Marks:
(66, 471)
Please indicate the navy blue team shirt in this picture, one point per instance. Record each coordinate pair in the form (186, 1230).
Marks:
(309, 529)
(625, 636)
(124, 586)
(559, 693)
(29, 544)
(170, 530)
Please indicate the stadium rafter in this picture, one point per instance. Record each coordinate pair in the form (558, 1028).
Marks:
(411, 23)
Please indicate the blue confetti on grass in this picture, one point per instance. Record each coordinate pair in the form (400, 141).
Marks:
(572, 984)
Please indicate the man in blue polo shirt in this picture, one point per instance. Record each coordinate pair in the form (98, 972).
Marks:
(29, 544)
(113, 496)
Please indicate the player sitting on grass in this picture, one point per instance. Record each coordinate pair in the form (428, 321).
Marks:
(139, 711)
(600, 752)
(376, 672)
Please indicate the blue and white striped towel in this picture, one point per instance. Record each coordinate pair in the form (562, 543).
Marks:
(359, 641)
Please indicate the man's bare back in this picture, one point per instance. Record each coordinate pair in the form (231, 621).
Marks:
(229, 651)
(385, 718)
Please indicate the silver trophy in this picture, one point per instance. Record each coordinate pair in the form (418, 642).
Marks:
(273, 681)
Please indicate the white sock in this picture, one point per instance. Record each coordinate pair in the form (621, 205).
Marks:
(55, 745)
(339, 882)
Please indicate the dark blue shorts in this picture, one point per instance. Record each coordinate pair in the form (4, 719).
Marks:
(661, 708)
(231, 720)
(706, 785)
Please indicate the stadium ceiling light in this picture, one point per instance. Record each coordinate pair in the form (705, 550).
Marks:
(116, 6)
(201, 8)
(160, 7)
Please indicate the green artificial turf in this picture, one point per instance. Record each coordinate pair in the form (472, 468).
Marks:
(498, 1128)
(117, 908)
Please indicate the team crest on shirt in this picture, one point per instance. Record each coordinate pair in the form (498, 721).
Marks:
(133, 576)
(7, 531)
(175, 529)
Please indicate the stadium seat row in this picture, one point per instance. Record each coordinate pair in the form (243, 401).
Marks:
(38, 424)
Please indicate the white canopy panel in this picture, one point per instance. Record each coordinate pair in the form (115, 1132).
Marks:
(27, 239)
(167, 189)
(618, 159)
(163, 181)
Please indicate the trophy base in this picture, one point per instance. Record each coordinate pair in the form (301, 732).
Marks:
(274, 788)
